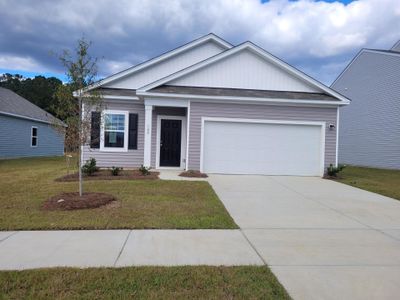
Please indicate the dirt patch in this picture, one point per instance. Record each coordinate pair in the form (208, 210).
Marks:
(192, 173)
(106, 175)
(72, 201)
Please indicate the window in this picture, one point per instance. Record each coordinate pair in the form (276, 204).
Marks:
(114, 130)
(34, 136)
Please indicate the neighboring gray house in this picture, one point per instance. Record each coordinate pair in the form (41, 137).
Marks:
(27, 130)
(217, 108)
(370, 126)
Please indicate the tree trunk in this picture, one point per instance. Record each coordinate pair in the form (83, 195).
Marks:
(80, 149)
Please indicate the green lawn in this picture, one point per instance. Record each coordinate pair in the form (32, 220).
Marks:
(143, 283)
(26, 183)
(381, 181)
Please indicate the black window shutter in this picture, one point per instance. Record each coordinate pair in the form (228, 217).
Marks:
(95, 130)
(133, 130)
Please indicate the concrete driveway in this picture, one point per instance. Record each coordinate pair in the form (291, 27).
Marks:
(322, 239)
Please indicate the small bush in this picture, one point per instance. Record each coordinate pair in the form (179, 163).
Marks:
(334, 171)
(144, 170)
(115, 171)
(89, 168)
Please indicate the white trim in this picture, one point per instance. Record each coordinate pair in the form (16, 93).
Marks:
(283, 122)
(183, 140)
(247, 100)
(259, 51)
(120, 97)
(32, 136)
(337, 137)
(167, 103)
(187, 136)
(126, 131)
(148, 120)
(153, 61)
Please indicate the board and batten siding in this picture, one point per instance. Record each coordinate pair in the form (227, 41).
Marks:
(261, 112)
(168, 66)
(15, 138)
(244, 70)
(370, 125)
(129, 159)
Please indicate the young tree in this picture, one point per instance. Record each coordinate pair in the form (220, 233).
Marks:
(74, 103)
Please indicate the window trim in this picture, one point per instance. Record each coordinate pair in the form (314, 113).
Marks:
(36, 136)
(126, 131)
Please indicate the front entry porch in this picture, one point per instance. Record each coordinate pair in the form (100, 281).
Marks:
(165, 140)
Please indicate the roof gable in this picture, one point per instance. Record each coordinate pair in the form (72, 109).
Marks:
(378, 52)
(165, 64)
(396, 47)
(245, 66)
(245, 70)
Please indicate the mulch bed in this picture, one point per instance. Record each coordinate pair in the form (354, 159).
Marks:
(106, 175)
(192, 173)
(72, 201)
(332, 177)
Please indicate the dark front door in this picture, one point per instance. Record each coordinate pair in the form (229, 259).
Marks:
(170, 143)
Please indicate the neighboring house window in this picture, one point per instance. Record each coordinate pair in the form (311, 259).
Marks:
(114, 134)
(34, 136)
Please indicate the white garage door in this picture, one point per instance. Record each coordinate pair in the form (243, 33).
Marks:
(262, 148)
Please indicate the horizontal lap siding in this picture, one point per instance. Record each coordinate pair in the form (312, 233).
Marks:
(268, 112)
(370, 125)
(130, 159)
(15, 139)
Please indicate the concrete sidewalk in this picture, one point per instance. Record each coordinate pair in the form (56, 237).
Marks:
(117, 248)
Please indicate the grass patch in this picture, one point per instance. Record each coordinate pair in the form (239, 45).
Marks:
(26, 183)
(202, 282)
(381, 181)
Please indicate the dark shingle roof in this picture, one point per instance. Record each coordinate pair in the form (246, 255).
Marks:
(13, 104)
(169, 89)
(117, 92)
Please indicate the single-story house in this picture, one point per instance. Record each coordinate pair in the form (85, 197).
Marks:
(27, 130)
(217, 108)
(370, 126)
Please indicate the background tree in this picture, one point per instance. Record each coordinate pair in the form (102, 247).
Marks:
(38, 90)
(74, 103)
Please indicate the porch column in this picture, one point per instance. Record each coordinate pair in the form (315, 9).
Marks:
(147, 135)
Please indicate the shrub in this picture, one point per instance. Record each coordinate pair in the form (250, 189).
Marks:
(333, 171)
(144, 170)
(115, 171)
(89, 168)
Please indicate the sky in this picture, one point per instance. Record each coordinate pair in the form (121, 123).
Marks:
(318, 37)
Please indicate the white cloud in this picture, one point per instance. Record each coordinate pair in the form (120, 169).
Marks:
(304, 32)
(19, 63)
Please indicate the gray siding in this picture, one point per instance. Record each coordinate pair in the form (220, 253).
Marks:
(199, 110)
(129, 159)
(167, 111)
(370, 125)
(15, 138)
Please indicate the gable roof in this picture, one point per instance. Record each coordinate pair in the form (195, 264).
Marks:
(14, 105)
(366, 50)
(259, 51)
(233, 92)
(396, 47)
(202, 40)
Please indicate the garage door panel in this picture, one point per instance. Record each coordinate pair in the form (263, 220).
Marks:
(260, 148)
